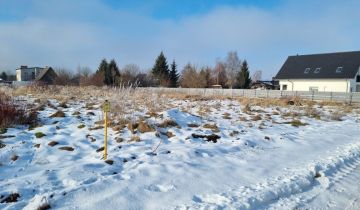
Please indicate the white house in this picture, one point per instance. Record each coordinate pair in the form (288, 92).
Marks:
(330, 72)
(25, 73)
(37, 74)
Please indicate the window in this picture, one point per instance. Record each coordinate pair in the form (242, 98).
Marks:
(358, 78)
(315, 89)
(317, 70)
(307, 70)
(357, 88)
(284, 87)
(339, 69)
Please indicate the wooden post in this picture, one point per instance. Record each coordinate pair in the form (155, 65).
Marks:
(106, 109)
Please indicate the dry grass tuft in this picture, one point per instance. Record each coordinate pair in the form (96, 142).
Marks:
(168, 123)
(336, 116)
(144, 127)
(59, 113)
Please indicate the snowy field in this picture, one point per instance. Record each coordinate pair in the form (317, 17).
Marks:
(181, 152)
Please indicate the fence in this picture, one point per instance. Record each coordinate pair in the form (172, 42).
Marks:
(254, 93)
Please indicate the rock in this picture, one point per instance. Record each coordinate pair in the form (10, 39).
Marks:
(76, 113)
(44, 206)
(212, 137)
(110, 162)
(317, 175)
(90, 113)
(118, 139)
(2, 145)
(66, 148)
(234, 133)
(192, 125)
(267, 138)
(96, 127)
(14, 157)
(100, 149)
(11, 198)
(6, 136)
(169, 134)
(81, 126)
(37, 145)
(53, 143)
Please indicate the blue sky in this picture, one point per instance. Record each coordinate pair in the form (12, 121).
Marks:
(69, 33)
(175, 9)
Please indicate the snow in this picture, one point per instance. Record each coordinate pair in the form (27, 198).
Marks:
(272, 167)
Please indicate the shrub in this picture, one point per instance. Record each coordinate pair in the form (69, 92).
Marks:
(39, 134)
(12, 113)
(297, 123)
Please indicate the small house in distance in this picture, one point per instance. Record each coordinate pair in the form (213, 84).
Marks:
(45, 75)
(265, 85)
(330, 72)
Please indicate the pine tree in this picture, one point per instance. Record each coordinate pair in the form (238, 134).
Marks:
(103, 70)
(243, 77)
(173, 75)
(114, 72)
(161, 70)
(4, 76)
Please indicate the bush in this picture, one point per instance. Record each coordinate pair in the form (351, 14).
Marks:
(12, 113)
(39, 134)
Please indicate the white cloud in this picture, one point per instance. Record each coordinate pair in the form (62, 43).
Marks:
(64, 34)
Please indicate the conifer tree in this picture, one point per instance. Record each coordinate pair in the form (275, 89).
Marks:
(243, 76)
(173, 75)
(161, 70)
(113, 72)
(104, 71)
(4, 76)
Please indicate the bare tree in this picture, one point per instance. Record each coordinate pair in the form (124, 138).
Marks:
(205, 78)
(64, 77)
(220, 74)
(189, 77)
(256, 76)
(232, 67)
(128, 75)
(84, 74)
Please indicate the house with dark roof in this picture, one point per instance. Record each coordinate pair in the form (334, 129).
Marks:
(45, 75)
(329, 72)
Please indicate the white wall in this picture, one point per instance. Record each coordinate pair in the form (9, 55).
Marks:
(323, 85)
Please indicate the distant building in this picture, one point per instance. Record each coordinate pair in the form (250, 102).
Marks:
(330, 72)
(265, 85)
(37, 74)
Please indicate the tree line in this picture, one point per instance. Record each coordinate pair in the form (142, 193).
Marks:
(230, 72)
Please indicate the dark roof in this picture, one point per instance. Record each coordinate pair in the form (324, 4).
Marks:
(294, 67)
(43, 73)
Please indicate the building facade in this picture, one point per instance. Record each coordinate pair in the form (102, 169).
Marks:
(25, 73)
(331, 72)
(36, 74)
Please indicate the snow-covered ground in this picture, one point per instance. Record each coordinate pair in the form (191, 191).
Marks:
(253, 160)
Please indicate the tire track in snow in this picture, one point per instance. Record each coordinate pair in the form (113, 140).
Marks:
(288, 191)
